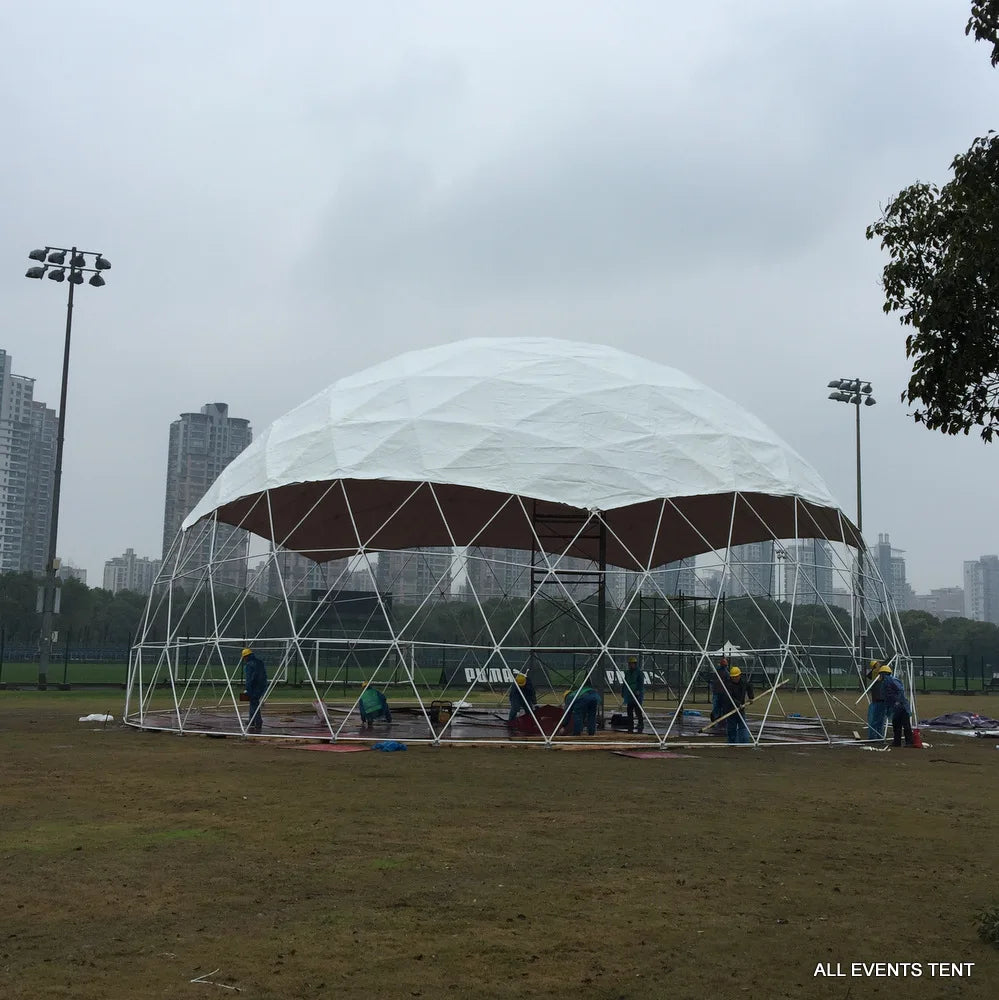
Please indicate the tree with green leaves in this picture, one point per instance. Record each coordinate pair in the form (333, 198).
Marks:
(984, 22)
(942, 278)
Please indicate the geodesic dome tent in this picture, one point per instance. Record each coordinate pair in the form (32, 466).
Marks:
(436, 523)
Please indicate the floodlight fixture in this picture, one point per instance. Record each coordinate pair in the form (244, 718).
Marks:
(79, 260)
(35, 272)
(57, 274)
(57, 257)
(97, 281)
(38, 255)
(869, 401)
(102, 263)
(76, 277)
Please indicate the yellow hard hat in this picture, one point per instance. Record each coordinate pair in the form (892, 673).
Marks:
(633, 659)
(734, 672)
(883, 669)
(521, 679)
(247, 652)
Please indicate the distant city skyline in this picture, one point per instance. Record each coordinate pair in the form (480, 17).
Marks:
(201, 444)
(494, 572)
(199, 484)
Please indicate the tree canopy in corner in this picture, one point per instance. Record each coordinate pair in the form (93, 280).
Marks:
(942, 278)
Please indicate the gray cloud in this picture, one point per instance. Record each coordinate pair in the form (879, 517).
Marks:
(288, 196)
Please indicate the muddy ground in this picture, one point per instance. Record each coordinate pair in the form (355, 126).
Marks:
(133, 863)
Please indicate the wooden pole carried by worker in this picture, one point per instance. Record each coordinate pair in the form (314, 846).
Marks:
(738, 708)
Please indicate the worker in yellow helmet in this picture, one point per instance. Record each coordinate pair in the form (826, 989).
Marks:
(255, 682)
(738, 690)
(898, 709)
(522, 697)
(719, 700)
(877, 710)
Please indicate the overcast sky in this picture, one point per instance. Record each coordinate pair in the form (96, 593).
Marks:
(292, 192)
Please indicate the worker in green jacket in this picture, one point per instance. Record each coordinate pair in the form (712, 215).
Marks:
(584, 709)
(633, 693)
(373, 705)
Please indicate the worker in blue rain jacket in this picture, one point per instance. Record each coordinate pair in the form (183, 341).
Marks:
(738, 689)
(877, 710)
(522, 696)
(255, 682)
(898, 710)
(584, 704)
(633, 693)
(373, 705)
(719, 700)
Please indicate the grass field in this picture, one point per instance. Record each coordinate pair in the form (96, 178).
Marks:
(134, 863)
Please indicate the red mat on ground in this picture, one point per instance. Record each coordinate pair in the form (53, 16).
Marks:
(548, 716)
(652, 754)
(333, 747)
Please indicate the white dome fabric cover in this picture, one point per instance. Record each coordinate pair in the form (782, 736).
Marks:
(583, 425)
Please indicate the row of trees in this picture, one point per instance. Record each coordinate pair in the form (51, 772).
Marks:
(929, 636)
(93, 616)
(746, 623)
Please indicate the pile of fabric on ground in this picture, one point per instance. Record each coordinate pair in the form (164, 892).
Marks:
(964, 722)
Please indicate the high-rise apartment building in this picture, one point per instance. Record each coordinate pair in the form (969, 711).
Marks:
(67, 572)
(27, 472)
(492, 572)
(974, 590)
(201, 446)
(808, 572)
(495, 572)
(41, 481)
(944, 602)
(410, 575)
(981, 589)
(891, 566)
(669, 580)
(709, 583)
(130, 572)
(751, 569)
(292, 575)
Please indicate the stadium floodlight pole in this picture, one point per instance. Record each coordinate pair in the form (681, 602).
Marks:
(52, 262)
(856, 391)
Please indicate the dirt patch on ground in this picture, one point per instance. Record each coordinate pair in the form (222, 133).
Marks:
(136, 862)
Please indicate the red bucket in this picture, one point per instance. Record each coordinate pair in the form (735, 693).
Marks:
(917, 739)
